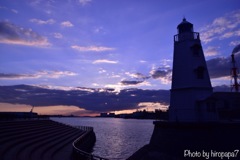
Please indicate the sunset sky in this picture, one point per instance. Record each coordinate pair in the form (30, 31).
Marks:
(108, 43)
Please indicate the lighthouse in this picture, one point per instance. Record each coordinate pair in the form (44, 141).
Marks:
(192, 106)
(190, 78)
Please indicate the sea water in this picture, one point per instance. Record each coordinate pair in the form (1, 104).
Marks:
(116, 138)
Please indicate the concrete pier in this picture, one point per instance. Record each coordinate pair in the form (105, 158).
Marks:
(173, 140)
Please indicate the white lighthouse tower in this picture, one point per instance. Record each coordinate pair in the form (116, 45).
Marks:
(190, 79)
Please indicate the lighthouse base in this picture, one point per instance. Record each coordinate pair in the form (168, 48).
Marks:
(188, 140)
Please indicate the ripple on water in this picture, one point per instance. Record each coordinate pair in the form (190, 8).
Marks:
(116, 138)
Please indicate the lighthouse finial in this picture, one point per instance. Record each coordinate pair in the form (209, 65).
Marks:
(184, 18)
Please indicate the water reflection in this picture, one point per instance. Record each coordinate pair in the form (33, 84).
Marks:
(116, 138)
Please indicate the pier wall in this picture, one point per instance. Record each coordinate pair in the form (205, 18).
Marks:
(174, 140)
(83, 145)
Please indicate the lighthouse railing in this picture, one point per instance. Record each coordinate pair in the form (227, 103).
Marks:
(186, 36)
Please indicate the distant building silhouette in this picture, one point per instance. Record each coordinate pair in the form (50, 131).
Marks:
(107, 114)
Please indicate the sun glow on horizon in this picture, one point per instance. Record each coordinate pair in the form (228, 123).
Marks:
(74, 110)
(148, 106)
(46, 110)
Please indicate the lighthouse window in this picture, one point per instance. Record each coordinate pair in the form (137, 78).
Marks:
(200, 72)
(196, 49)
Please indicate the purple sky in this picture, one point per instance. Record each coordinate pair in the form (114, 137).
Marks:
(109, 43)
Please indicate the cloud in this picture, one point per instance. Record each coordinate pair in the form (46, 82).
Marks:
(164, 74)
(67, 24)
(137, 75)
(12, 10)
(99, 100)
(44, 6)
(84, 2)
(227, 35)
(58, 35)
(15, 76)
(159, 73)
(125, 82)
(143, 61)
(147, 105)
(102, 71)
(98, 30)
(12, 34)
(113, 75)
(56, 74)
(222, 27)
(221, 66)
(234, 43)
(211, 51)
(3, 7)
(91, 48)
(39, 21)
(237, 33)
(104, 61)
(41, 74)
(90, 99)
(139, 78)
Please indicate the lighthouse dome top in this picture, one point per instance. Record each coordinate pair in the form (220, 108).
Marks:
(185, 26)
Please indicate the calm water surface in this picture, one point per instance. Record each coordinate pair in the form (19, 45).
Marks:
(116, 138)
